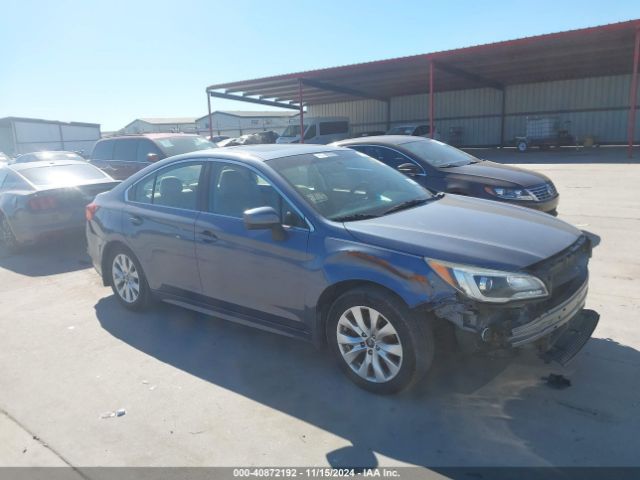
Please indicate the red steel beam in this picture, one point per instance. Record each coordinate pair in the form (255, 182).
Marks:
(431, 110)
(633, 95)
(300, 99)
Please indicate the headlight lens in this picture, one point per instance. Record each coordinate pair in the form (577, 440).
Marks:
(487, 285)
(509, 193)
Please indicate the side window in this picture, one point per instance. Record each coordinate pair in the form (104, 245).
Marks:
(126, 150)
(145, 147)
(388, 156)
(103, 150)
(3, 175)
(142, 192)
(236, 189)
(175, 186)
(310, 133)
(14, 182)
(332, 128)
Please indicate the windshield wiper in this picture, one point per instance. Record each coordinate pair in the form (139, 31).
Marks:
(354, 217)
(413, 203)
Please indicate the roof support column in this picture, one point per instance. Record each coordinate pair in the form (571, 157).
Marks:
(300, 99)
(431, 101)
(633, 95)
(210, 118)
(502, 115)
(388, 114)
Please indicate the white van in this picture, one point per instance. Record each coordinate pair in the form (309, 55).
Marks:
(320, 130)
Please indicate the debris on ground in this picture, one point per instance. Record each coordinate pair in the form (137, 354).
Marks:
(121, 412)
(557, 381)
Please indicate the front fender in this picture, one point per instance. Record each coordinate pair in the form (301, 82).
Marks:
(406, 275)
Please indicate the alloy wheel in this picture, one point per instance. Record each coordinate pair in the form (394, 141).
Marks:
(369, 344)
(125, 278)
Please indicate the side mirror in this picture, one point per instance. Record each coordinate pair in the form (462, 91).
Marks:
(410, 169)
(153, 157)
(264, 218)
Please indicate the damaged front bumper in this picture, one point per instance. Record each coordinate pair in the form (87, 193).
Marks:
(550, 320)
(558, 332)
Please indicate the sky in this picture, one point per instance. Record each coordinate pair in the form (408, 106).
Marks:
(110, 62)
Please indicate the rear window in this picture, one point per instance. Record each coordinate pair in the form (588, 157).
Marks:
(63, 175)
(183, 144)
(103, 150)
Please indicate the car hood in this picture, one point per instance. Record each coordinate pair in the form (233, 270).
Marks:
(498, 174)
(470, 231)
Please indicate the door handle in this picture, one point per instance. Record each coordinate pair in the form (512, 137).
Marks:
(136, 220)
(207, 236)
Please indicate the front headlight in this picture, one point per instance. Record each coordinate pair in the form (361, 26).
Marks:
(487, 285)
(509, 193)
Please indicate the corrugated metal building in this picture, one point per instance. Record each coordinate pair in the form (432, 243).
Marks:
(586, 78)
(161, 125)
(595, 106)
(236, 123)
(25, 135)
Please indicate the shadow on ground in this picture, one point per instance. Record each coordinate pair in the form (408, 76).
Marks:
(62, 255)
(468, 411)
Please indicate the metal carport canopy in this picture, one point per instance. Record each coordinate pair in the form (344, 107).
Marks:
(595, 51)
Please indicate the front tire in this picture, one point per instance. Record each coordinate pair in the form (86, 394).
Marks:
(377, 341)
(128, 281)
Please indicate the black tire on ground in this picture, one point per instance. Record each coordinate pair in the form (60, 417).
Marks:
(413, 333)
(143, 298)
(8, 240)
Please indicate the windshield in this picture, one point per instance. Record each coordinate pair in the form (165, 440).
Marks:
(438, 154)
(183, 144)
(292, 131)
(348, 185)
(63, 175)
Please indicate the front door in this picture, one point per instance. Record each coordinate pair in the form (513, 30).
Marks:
(251, 273)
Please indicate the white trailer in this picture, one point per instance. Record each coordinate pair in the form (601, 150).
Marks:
(25, 135)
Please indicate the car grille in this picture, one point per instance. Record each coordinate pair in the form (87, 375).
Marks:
(543, 192)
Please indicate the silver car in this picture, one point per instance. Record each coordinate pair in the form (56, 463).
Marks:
(38, 199)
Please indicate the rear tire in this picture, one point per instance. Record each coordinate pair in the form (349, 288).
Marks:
(127, 279)
(401, 353)
(522, 146)
(8, 240)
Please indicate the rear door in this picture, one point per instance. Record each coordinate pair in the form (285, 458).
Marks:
(102, 155)
(125, 158)
(159, 220)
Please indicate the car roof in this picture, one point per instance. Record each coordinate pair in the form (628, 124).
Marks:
(151, 136)
(381, 140)
(261, 152)
(45, 163)
(47, 151)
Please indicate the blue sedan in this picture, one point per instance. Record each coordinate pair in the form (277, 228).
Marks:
(329, 245)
